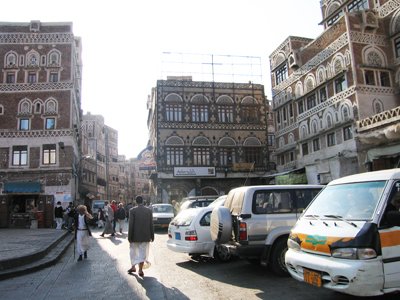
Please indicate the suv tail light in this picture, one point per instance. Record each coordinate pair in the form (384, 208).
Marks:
(242, 231)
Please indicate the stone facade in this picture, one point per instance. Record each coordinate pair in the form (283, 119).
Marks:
(207, 137)
(333, 97)
(40, 110)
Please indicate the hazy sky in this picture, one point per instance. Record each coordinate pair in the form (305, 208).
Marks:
(123, 41)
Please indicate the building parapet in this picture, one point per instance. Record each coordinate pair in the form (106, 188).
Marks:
(23, 87)
(378, 120)
(7, 133)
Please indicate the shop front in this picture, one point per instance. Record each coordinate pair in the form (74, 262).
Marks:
(22, 205)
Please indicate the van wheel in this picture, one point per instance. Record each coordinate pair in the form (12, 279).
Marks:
(222, 253)
(278, 257)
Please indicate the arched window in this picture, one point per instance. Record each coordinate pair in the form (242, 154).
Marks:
(173, 108)
(50, 106)
(226, 151)
(314, 126)
(281, 142)
(345, 113)
(291, 138)
(174, 149)
(252, 151)
(199, 104)
(37, 106)
(54, 58)
(377, 106)
(32, 59)
(11, 59)
(201, 151)
(225, 109)
(321, 74)
(249, 110)
(303, 131)
(25, 107)
(329, 122)
(298, 90)
(309, 83)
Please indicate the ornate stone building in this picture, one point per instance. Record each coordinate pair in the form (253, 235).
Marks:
(40, 115)
(336, 98)
(207, 137)
(102, 169)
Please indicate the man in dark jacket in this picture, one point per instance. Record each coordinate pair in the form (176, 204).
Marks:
(140, 234)
(58, 215)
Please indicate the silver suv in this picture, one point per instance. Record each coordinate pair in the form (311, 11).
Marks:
(255, 221)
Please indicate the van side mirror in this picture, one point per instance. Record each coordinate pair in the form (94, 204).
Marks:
(393, 218)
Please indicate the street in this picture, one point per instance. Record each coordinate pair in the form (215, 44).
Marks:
(171, 276)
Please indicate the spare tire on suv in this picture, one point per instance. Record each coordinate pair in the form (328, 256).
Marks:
(221, 225)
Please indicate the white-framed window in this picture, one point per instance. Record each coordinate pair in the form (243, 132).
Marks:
(24, 124)
(347, 133)
(331, 139)
(49, 154)
(50, 123)
(20, 155)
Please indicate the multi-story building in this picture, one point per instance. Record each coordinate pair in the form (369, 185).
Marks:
(336, 98)
(207, 137)
(103, 171)
(40, 115)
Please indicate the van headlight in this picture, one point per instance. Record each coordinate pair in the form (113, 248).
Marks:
(293, 245)
(354, 253)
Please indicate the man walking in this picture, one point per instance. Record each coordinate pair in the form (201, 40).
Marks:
(109, 215)
(140, 234)
(58, 215)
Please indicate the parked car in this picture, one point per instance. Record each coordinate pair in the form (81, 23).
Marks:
(196, 201)
(189, 232)
(348, 239)
(163, 213)
(255, 221)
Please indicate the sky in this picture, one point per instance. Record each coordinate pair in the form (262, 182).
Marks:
(123, 42)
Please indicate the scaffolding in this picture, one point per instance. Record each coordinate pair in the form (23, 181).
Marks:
(211, 67)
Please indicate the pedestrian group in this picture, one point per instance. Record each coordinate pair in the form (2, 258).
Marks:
(140, 228)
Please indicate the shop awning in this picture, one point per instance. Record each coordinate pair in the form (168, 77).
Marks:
(22, 187)
(386, 151)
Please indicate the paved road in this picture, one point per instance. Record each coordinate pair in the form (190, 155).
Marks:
(172, 276)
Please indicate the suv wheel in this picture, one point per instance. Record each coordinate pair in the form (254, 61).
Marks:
(278, 257)
(221, 225)
(222, 253)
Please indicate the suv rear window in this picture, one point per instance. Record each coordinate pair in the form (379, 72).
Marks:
(282, 201)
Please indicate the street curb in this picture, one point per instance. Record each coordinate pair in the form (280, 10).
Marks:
(33, 263)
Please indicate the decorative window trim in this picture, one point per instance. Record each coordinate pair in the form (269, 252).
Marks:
(251, 142)
(201, 141)
(174, 141)
(11, 60)
(226, 141)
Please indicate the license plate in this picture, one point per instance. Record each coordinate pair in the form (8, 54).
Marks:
(312, 277)
(177, 235)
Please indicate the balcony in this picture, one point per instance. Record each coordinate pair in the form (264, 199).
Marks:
(380, 128)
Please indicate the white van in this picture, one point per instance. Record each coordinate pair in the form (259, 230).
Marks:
(348, 238)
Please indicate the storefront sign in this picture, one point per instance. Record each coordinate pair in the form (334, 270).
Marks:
(194, 171)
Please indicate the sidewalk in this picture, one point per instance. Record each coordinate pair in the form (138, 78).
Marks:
(27, 250)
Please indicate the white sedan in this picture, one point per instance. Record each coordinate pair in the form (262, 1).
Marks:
(189, 232)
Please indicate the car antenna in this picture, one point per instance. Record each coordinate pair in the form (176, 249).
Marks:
(248, 174)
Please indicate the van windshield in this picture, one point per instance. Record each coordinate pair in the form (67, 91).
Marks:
(353, 201)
